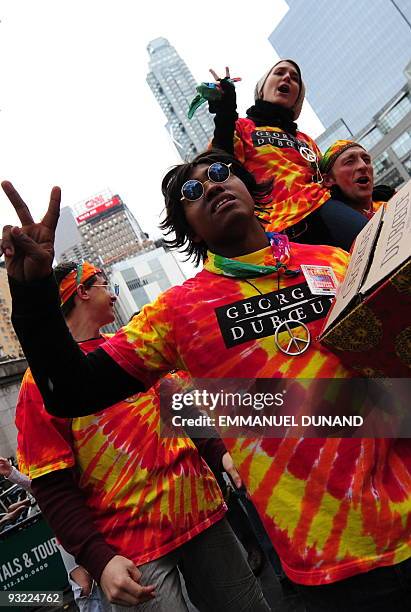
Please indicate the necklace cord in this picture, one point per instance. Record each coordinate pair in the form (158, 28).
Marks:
(264, 294)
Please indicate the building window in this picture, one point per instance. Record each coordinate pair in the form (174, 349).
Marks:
(382, 163)
(393, 178)
(371, 139)
(402, 145)
(395, 115)
(407, 164)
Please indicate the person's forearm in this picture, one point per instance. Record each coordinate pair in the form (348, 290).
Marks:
(63, 505)
(224, 129)
(71, 383)
(225, 118)
(212, 451)
(20, 479)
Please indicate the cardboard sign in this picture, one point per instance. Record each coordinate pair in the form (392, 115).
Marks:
(394, 243)
(369, 326)
(357, 268)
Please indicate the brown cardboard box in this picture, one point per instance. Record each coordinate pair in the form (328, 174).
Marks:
(369, 325)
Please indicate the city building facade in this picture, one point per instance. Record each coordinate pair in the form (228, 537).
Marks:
(174, 87)
(336, 131)
(141, 279)
(107, 232)
(352, 55)
(388, 139)
(9, 345)
(69, 245)
(11, 375)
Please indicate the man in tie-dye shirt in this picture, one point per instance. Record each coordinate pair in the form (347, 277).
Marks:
(116, 493)
(337, 510)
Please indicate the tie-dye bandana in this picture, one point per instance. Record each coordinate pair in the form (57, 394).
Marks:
(269, 153)
(76, 277)
(334, 151)
(280, 250)
(147, 495)
(334, 507)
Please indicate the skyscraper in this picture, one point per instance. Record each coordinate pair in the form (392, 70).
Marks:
(352, 54)
(174, 87)
(69, 244)
(107, 232)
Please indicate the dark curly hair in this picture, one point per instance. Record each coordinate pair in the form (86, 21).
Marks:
(61, 271)
(175, 220)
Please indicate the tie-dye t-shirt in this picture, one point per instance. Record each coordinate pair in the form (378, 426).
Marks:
(375, 206)
(373, 209)
(147, 495)
(332, 507)
(269, 153)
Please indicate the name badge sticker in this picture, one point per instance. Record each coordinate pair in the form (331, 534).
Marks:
(320, 279)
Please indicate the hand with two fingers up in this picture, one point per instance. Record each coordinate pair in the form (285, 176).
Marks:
(227, 103)
(29, 249)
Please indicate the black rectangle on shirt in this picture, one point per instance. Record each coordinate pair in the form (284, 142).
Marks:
(259, 316)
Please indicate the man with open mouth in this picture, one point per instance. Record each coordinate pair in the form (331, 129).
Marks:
(348, 173)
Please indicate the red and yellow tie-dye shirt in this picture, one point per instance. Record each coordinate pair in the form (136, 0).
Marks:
(269, 153)
(147, 494)
(332, 507)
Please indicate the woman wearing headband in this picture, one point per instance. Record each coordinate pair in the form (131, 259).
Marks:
(270, 146)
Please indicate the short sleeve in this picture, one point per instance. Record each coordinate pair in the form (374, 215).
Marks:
(43, 441)
(145, 348)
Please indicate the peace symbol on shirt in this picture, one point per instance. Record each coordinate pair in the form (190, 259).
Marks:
(308, 154)
(295, 341)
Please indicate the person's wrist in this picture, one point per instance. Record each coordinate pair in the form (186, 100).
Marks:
(226, 115)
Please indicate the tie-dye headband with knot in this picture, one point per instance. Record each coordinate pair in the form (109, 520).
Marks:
(76, 277)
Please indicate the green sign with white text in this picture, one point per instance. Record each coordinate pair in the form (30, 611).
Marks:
(31, 561)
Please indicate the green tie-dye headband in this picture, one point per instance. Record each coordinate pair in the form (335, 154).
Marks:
(333, 152)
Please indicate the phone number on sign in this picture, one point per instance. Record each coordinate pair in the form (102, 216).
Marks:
(22, 598)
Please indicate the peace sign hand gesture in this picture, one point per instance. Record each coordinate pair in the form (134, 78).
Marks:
(217, 78)
(29, 249)
(228, 101)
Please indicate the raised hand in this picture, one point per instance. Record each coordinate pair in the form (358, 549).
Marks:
(227, 104)
(217, 78)
(5, 467)
(29, 249)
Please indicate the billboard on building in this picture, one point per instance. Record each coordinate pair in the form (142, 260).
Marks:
(95, 205)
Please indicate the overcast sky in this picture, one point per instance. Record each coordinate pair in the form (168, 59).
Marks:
(75, 107)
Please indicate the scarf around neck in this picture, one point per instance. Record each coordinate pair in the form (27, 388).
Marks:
(279, 250)
(274, 115)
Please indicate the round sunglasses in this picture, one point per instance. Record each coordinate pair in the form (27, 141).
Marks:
(193, 189)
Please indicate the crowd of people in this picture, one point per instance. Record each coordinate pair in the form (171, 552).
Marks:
(135, 509)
